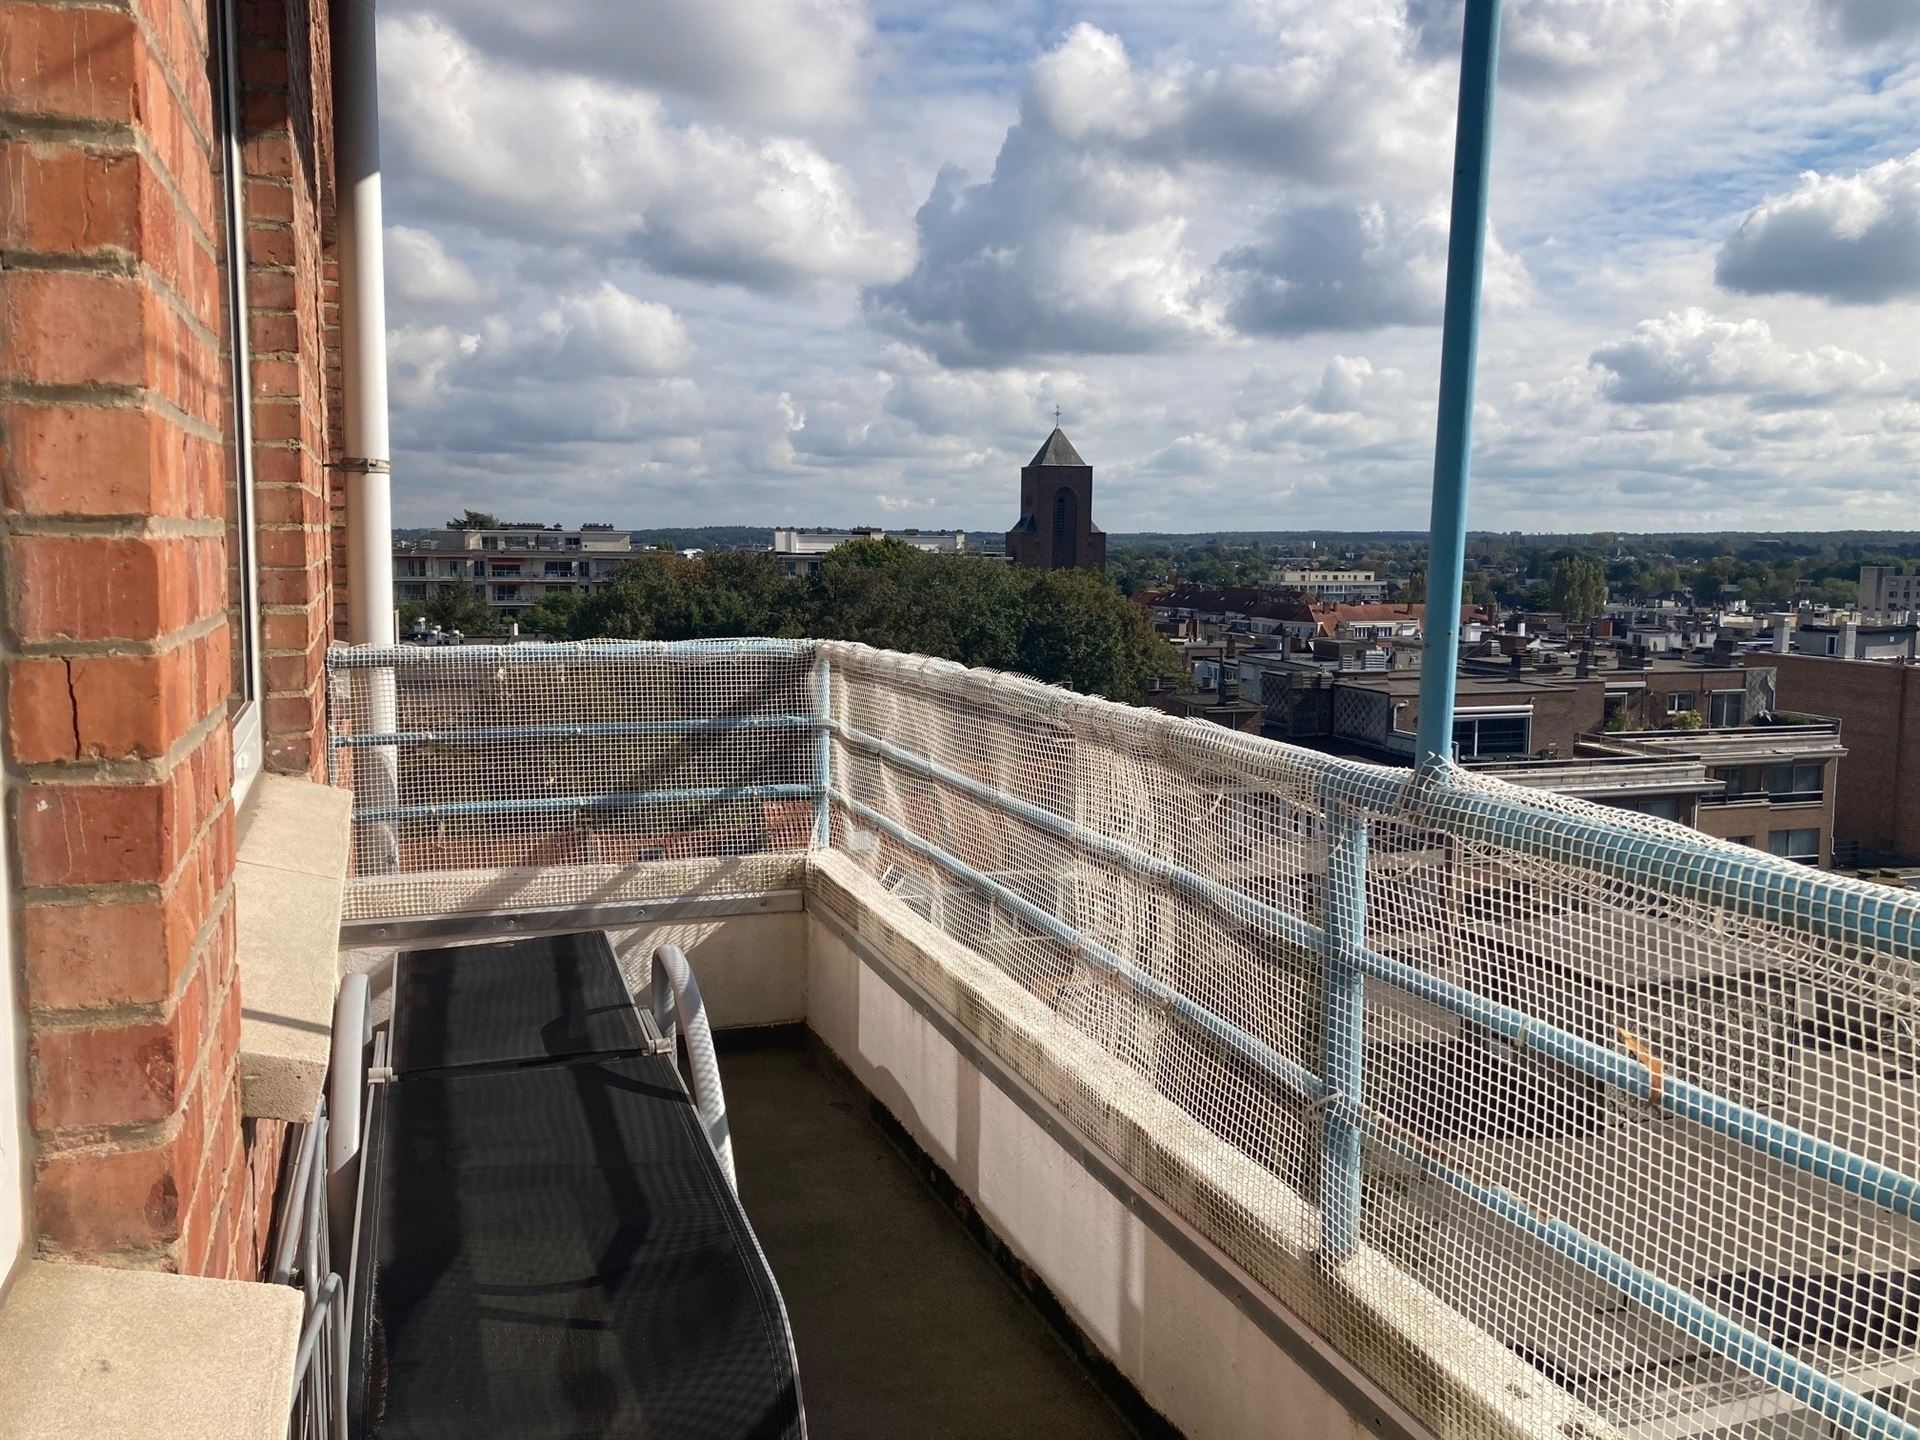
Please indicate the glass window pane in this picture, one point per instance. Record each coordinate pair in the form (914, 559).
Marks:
(1503, 735)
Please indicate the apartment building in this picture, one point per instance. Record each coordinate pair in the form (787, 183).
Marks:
(1701, 743)
(510, 569)
(1206, 610)
(1887, 591)
(801, 551)
(1843, 637)
(1876, 819)
(1333, 586)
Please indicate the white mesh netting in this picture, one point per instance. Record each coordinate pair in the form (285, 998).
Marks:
(555, 775)
(1637, 1104)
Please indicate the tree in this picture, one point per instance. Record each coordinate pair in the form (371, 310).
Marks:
(554, 613)
(1068, 627)
(1579, 589)
(645, 600)
(1838, 593)
(1415, 592)
(451, 607)
(475, 520)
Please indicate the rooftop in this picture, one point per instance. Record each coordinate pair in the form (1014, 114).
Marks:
(1056, 450)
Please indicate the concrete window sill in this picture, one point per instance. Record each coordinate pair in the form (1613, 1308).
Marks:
(93, 1352)
(288, 879)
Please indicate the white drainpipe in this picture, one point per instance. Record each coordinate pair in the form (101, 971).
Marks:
(363, 327)
(367, 462)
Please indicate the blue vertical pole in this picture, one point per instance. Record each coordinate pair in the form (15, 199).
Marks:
(1346, 1033)
(1460, 340)
(823, 753)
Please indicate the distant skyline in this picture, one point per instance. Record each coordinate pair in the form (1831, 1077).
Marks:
(804, 263)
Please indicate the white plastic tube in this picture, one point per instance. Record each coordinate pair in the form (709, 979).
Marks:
(676, 996)
(363, 328)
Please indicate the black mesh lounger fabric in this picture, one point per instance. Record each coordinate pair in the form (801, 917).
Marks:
(518, 1000)
(551, 1252)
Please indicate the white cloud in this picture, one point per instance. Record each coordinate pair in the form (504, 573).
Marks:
(715, 54)
(609, 332)
(1353, 384)
(546, 157)
(1352, 267)
(1060, 253)
(1081, 241)
(1318, 93)
(1689, 354)
(1215, 237)
(420, 272)
(571, 344)
(1851, 238)
(1869, 22)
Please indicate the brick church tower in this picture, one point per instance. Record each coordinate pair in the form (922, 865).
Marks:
(1056, 529)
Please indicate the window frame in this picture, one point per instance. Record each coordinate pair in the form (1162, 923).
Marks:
(1785, 851)
(1472, 719)
(246, 716)
(1789, 790)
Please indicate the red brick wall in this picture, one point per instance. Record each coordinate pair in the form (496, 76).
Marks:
(1877, 799)
(114, 493)
(287, 84)
(336, 441)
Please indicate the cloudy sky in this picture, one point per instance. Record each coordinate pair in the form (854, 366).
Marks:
(786, 261)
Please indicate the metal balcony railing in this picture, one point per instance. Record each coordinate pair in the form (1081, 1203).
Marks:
(1638, 1104)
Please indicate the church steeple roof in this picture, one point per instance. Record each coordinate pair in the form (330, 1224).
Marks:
(1057, 451)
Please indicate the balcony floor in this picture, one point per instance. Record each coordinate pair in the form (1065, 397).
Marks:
(904, 1326)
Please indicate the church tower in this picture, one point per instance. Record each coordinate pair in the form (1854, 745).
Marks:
(1056, 512)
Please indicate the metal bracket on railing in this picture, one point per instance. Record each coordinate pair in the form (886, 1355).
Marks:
(1519, 1041)
(676, 997)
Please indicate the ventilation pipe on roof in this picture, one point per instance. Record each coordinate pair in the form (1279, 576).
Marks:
(363, 327)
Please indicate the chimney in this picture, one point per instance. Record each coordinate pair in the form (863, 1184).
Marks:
(1583, 666)
(1849, 640)
(1782, 634)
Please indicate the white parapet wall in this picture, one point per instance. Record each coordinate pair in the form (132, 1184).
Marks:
(1204, 1342)
(751, 968)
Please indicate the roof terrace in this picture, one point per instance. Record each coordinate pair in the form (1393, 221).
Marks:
(1384, 1100)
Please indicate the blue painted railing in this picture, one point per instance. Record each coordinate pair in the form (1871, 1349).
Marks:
(1348, 962)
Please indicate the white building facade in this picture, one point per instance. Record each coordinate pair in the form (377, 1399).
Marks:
(801, 551)
(510, 569)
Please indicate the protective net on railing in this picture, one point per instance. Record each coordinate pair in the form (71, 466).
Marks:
(1639, 1108)
(1638, 1104)
(510, 776)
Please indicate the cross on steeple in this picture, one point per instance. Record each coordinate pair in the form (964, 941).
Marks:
(1056, 417)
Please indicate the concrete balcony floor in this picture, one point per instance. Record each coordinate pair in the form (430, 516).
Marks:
(904, 1325)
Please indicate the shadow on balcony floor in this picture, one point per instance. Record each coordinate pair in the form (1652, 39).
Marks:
(904, 1326)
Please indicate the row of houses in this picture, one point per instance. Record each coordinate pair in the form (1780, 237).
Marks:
(1736, 725)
